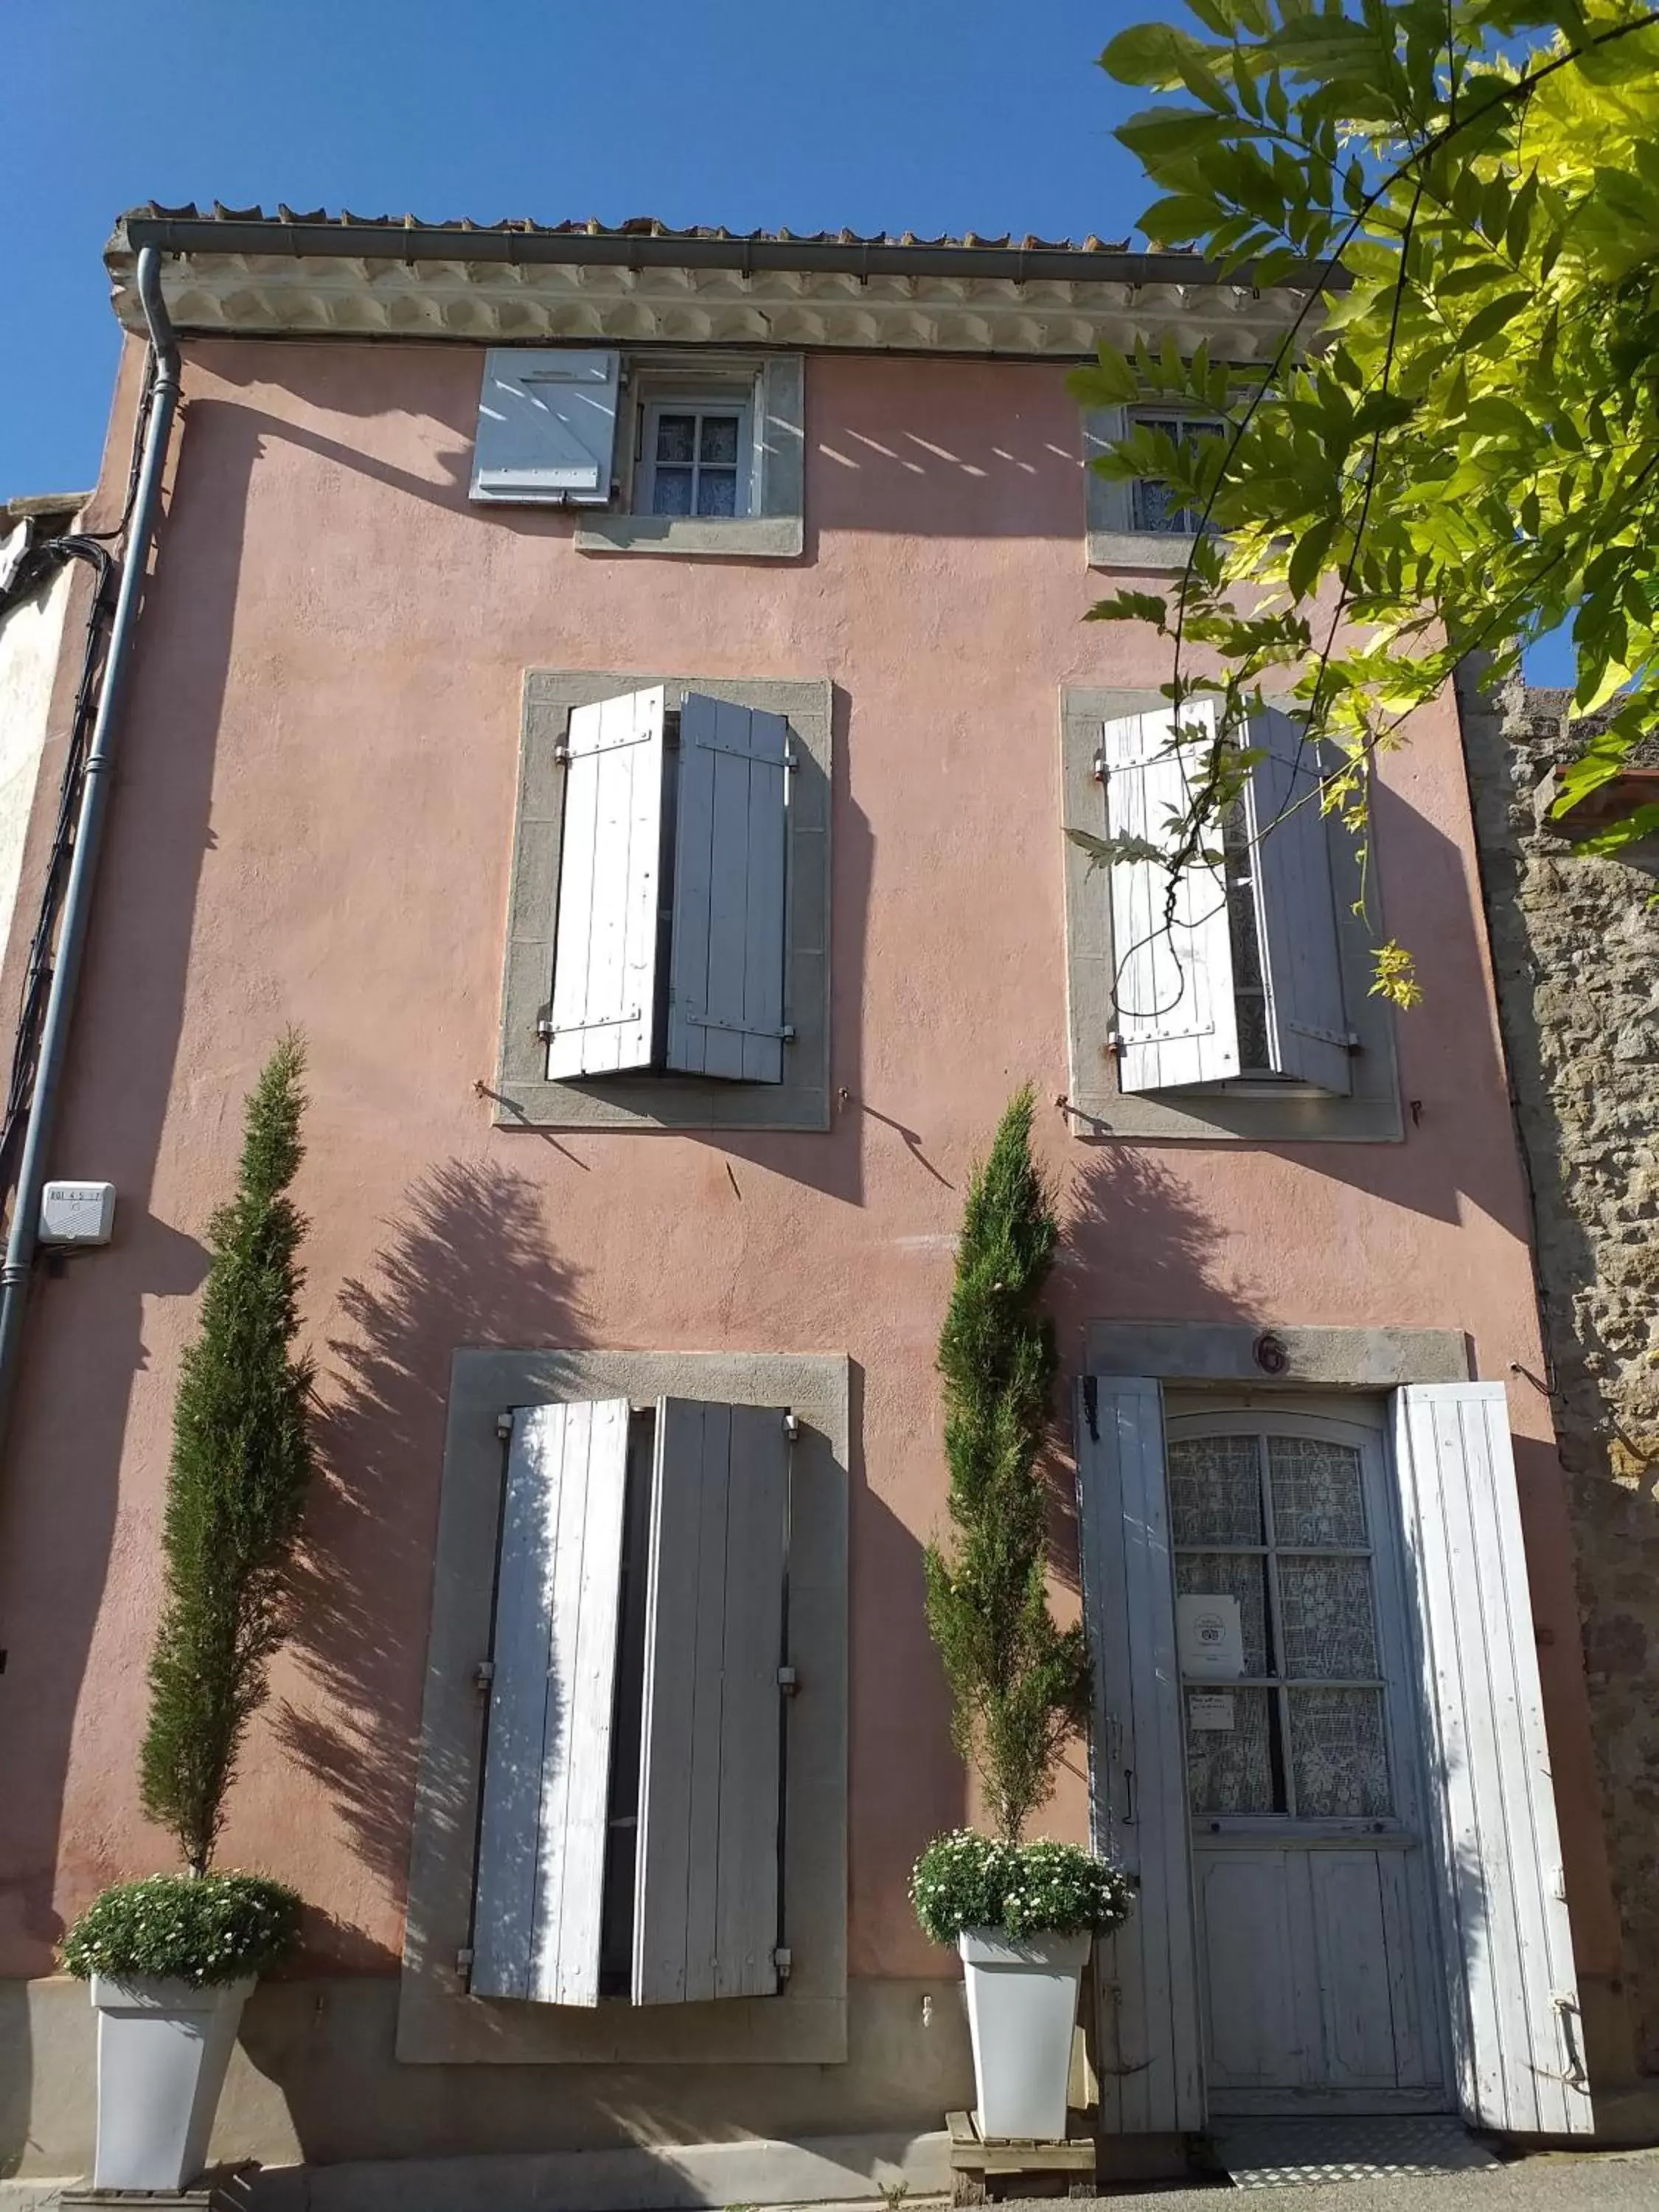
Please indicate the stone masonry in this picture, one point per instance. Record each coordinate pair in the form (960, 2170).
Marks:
(1576, 945)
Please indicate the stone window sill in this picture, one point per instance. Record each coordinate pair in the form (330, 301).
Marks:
(751, 537)
(1138, 548)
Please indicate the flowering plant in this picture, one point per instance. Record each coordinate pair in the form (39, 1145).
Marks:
(173, 1927)
(968, 1881)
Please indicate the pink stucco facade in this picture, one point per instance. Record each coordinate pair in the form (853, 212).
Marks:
(312, 825)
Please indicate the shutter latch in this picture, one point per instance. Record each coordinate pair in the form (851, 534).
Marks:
(783, 1959)
(788, 1681)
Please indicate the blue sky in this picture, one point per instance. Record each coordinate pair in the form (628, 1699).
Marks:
(927, 115)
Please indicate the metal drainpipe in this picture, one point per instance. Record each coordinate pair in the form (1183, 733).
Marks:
(21, 1240)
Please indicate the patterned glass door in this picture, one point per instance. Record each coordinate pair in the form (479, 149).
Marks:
(1317, 1961)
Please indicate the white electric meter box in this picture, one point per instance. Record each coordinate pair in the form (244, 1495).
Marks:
(77, 1213)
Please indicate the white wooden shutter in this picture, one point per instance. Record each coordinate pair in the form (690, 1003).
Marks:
(707, 1893)
(725, 1002)
(1152, 2079)
(1497, 1852)
(547, 1752)
(1174, 1019)
(547, 427)
(1296, 907)
(602, 1020)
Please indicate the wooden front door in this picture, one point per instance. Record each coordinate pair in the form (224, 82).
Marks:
(1316, 1947)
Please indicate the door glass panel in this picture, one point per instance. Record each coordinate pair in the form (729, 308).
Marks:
(1243, 1575)
(1325, 1617)
(1215, 1490)
(1338, 1754)
(1318, 1495)
(1232, 1769)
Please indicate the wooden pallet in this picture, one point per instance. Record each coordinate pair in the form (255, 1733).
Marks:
(984, 2170)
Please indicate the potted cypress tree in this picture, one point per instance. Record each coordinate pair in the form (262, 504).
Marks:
(171, 1959)
(1022, 1914)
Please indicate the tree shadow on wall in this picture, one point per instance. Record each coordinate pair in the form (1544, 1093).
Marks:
(467, 1262)
(1133, 1247)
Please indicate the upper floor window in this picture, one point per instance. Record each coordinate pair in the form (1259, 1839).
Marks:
(1154, 505)
(697, 457)
(694, 453)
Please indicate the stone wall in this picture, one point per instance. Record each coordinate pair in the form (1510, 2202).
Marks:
(1576, 945)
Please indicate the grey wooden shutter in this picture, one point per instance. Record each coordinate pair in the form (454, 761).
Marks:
(1295, 907)
(547, 1753)
(726, 1015)
(1174, 1019)
(705, 1914)
(547, 426)
(1496, 1853)
(1151, 2078)
(602, 1017)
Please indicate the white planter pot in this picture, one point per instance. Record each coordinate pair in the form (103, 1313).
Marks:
(163, 2047)
(1022, 2004)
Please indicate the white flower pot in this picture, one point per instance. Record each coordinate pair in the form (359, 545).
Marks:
(1022, 2004)
(163, 2047)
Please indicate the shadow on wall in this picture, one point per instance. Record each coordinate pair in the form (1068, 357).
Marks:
(1133, 1247)
(467, 1262)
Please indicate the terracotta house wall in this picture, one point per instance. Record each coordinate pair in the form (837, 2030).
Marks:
(313, 824)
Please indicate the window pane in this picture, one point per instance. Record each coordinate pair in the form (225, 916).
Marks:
(1154, 509)
(1255, 1053)
(1232, 1770)
(671, 491)
(717, 491)
(1325, 1612)
(1232, 1574)
(1318, 1495)
(720, 439)
(1215, 1490)
(676, 437)
(1338, 1754)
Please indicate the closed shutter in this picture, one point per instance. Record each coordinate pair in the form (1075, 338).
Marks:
(603, 1015)
(707, 1909)
(547, 1756)
(725, 1006)
(1152, 2063)
(1175, 1022)
(1497, 1852)
(547, 427)
(1291, 864)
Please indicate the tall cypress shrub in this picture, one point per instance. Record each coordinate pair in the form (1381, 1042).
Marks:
(1019, 1683)
(241, 1464)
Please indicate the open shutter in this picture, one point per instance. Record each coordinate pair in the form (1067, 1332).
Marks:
(547, 427)
(706, 1915)
(547, 1753)
(603, 1014)
(1496, 1853)
(726, 1003)
(1175, 1018)
(1291, 865)
(1151, 2059)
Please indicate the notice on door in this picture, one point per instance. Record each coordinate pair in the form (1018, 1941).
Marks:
(1211, 1710)
(1209, 1636)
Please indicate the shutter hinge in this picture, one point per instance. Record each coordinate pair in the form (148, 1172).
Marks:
(463, 1961)
(1100, 768)
(783, 1959)
(504, 1425)
(1349, 1039)
(545, 1029)
(791, 1425)
(561, 755)
(788, 1681)
(483, 1673)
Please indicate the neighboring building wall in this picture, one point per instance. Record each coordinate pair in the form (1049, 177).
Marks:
(30, 637)
(1575, 944)
(314, 824)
